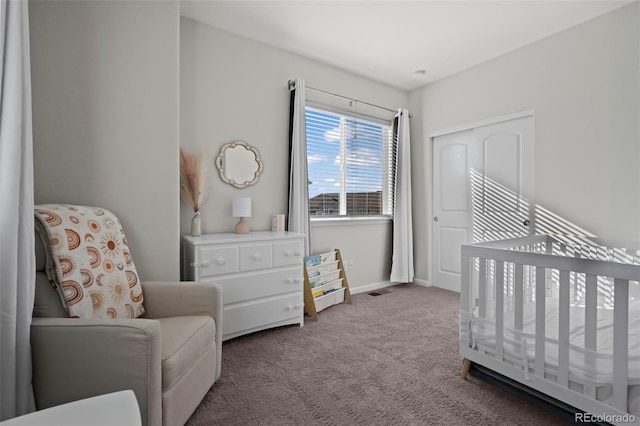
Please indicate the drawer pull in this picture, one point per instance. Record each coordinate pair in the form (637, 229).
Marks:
(297, 253)
(221, 261)
(288, 253)
(292, 307)
(294, 280)
(257, 256)
(205, 264)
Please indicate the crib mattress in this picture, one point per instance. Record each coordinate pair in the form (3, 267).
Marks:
(588, 368)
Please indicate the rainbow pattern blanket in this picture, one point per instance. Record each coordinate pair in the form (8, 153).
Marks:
(89, 262)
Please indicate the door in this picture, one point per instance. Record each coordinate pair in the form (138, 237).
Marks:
(482, 190)
(454, 158)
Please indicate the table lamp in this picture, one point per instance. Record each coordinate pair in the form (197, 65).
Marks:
(241, 208)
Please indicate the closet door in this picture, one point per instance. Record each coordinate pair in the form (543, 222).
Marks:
(482, 190)
(502, 184)
(454, 158)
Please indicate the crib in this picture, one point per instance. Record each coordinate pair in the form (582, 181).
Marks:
(567, 323)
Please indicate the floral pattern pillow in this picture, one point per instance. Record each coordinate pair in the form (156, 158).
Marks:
(89, 262)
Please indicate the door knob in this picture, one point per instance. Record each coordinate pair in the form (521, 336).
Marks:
(526, 222)
(435, 219)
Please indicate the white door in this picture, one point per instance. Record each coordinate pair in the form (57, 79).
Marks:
(482, 189)
(454, 157)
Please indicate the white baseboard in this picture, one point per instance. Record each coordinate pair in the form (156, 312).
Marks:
(423, 283)
(454, 289)
(371, 287)
(377, 286)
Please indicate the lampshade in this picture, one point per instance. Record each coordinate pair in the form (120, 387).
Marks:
(241, 207)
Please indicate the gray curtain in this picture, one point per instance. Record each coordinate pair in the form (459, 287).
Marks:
(17, 258)
(402, 269)
(298, 211)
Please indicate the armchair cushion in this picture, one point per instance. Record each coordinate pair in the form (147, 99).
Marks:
(170, 299)
(184, 339)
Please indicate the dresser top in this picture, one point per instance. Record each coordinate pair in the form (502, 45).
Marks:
(230, 237)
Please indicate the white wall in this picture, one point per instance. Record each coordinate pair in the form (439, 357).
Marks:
(234, 88)
(105, 117)
(583, 85)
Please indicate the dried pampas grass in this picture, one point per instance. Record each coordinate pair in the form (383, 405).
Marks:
(195, 171)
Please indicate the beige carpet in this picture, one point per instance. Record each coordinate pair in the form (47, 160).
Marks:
(383, 360)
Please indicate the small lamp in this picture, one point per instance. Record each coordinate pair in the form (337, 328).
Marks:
(242, 208)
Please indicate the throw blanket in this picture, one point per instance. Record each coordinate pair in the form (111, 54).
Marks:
(88, 261)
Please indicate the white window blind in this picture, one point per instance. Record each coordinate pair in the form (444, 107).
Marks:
(351, 163)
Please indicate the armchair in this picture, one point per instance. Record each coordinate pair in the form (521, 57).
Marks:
(170, 357)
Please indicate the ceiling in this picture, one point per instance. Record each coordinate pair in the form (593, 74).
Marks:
(388, 41)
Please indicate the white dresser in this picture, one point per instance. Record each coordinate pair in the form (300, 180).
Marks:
(260, 272)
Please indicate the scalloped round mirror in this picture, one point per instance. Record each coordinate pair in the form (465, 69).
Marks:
(239, 164)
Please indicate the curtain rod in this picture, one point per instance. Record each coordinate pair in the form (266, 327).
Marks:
(292, 85)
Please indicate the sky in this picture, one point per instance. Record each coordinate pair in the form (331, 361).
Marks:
(363, 155)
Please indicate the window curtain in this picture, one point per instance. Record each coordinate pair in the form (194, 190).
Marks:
(17, 258)
(298, 210)
(402, 259)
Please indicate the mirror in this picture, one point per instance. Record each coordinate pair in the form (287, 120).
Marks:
(239, 164)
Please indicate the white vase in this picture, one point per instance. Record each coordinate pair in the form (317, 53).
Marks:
(195, 225)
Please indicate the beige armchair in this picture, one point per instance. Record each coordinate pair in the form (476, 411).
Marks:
(170, 357)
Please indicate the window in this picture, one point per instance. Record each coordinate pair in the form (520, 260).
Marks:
(351, 163)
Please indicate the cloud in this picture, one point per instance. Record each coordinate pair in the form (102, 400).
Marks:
(365, 157)
(332, 135)
(316, 158)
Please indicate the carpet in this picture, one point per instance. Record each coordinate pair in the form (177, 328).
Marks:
(390, 359)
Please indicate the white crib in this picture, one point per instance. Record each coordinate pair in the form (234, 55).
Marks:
(569, 323)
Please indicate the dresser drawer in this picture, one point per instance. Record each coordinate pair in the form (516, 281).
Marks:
(260, 315)
(262, 284)
(287, 253)
(255, 256)
(218, 261)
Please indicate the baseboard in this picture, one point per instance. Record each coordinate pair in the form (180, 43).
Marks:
(377, 286)
(423, 283)
(371, 287)
(444, 287)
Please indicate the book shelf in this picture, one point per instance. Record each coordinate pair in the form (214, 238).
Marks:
(325, 283)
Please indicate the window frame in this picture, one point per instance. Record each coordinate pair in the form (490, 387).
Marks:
(389, 172)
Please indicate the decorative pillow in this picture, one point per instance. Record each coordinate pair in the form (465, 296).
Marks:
(88, 261)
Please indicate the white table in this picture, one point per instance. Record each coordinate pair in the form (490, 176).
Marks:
(118, 408)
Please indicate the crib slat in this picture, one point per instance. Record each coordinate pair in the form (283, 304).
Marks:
(499, 279)
(541, 275)
(563, 329)
(465, 294)
(590, 326)
(519, 296)
(591, 313)
(482, 288)
(620, 343)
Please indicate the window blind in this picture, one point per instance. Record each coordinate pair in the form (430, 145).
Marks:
(351, 163)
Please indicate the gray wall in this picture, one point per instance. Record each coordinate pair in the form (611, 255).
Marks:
(234, 88)
(105, 117)
(106, 81)
(583, 85)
